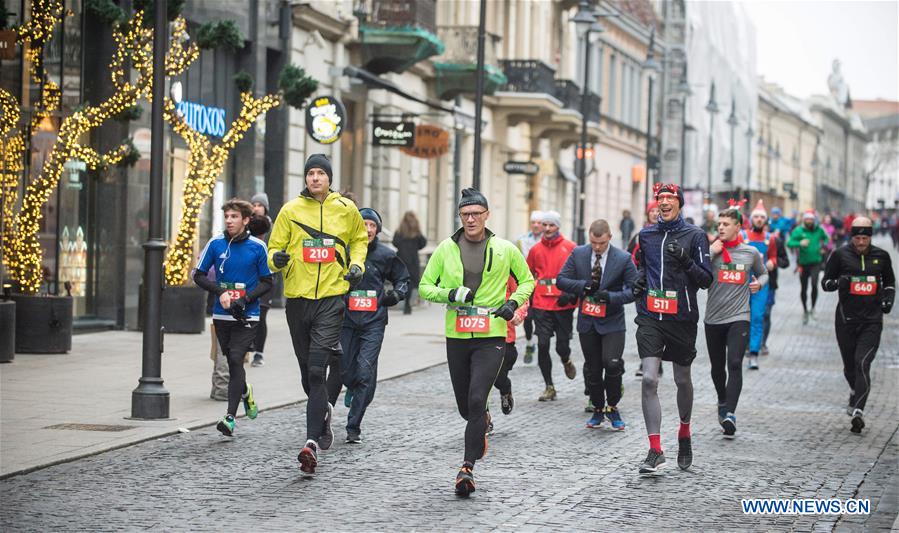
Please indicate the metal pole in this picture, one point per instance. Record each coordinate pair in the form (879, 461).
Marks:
(457, 166)
(150, 399)
(582, 169)
(648, 140)
(479, 98)
(709, 177)
(733, 149)
(683, 143)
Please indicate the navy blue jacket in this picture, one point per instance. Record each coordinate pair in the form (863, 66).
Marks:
(381, 264)
(665, 274)
(618, 278)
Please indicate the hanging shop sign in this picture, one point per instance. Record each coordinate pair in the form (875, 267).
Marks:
(388, 133)
(528, 168)
(325, 119)
(430, 142)
(204, 119)
(7, 44)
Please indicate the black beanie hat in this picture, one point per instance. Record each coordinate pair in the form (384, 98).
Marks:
(472, 197)
(319, 161)
(370, 214)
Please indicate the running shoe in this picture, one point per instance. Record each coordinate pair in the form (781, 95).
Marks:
(490, 429)
(327, 436)
(722, 413)
(729, 425)
(753, 362)
(654, 461)
(765, 350)
(858, 421)
(589, 407)
(348, 397)
(614, 417)
(226, 425)
(465, 481)
(684, 453)
(249, 403)
(528, 354)
(549, 394)
(308, 458)
(595, 420)
(353, 438)
(258, 360)
(570, 369)
(507, 403)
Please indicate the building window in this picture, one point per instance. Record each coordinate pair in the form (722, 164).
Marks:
(613, 92)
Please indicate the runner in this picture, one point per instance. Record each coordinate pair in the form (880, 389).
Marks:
(503, 384)
(783, 261)
(525, 243)
(365, 321)
(673, 266)
(552, 309)
(260, 224)
(766, 243)
(738, 270)
(863, 275)
(470, 272)
(810, 239)
(320, 243)
(604, 277)
(242, 277)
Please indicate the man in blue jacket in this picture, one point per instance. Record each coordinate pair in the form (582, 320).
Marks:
(364, 323)
(603, 276)
(673, 261)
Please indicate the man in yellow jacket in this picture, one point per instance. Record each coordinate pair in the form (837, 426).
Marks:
(319, 243)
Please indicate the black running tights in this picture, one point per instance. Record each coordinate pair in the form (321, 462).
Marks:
(727, 343)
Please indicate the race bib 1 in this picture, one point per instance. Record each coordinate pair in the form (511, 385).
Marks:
(234, 290)
(730, 273)
(365, 301)
(863, 285)
(319, 251)
(659, 301)
(472, 320)
(548, 287)
(591, 307)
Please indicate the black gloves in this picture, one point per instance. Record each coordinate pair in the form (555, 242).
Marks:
(886, 305)
(461, 295)
(639, 287)
(390, 298)
(353, 275)
(507, 310)
(678, 254)
(280, 259)
(844, 282)
(591, 288)
(238, 308)
(602, 296)
(566, 299)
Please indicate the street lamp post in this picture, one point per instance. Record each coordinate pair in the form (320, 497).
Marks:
(683, 88)
(479, 98)
(585, 24)
(712, 108)
(732, 122)
(749, 135)
(150, 400)
(651, 67)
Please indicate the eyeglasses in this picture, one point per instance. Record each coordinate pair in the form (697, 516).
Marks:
(473, 215)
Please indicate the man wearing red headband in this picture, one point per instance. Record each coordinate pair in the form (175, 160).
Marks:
(673, 265)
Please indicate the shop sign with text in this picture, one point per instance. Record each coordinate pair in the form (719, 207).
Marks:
(430, 142)
(325, 119)
(387, 133)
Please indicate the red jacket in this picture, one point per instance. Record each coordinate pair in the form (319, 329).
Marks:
(546, 260)
(521, 312)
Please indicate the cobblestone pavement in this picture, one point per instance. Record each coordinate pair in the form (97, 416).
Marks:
(544, 470)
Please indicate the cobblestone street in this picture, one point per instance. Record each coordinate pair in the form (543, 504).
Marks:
(544, 470)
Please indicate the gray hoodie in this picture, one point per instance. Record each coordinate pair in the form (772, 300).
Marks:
(729, 302)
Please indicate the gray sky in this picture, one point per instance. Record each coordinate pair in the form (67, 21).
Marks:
(797, 41)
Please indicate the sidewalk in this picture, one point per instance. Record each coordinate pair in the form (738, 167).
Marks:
(92, 385)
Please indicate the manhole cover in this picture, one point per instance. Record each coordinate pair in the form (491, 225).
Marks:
(90, 427)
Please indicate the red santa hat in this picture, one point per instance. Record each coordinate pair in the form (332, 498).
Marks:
(759, 209)
(809, 214)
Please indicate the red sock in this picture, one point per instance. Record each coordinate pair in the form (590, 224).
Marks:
(655, 442)
(684, 430)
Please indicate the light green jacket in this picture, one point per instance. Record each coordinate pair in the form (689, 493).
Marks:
(502, 259)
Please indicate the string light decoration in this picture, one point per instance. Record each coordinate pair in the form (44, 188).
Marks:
(134, 52)
(206, 161)
(12, 146)
(34, 35)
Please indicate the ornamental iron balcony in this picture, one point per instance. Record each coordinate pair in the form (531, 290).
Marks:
(404, 13)
(529, 76)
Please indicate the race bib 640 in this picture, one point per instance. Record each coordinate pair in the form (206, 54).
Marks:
(863, 285)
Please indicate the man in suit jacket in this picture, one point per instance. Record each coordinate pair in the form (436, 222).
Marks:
(602, 276)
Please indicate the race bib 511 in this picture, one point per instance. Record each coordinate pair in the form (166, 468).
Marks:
(659, 301)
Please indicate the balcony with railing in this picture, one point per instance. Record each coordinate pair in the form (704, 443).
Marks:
(529, 76)
(456, 69)
(399, 33)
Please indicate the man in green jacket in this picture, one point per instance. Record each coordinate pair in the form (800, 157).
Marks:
(469, 272)
(811, 239)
